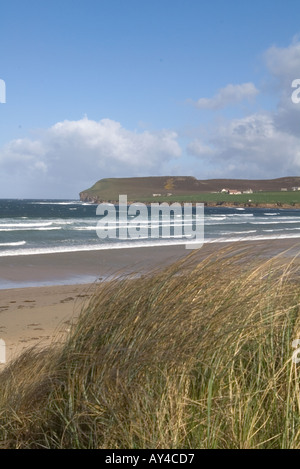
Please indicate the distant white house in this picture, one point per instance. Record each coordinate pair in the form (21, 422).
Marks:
(248, 191)
(283, 189)
(156, 195)
(234, 192)
(295, 189)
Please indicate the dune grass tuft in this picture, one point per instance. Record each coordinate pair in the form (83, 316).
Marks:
(198, 355)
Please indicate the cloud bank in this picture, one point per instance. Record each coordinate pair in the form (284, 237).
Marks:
(71, 155)
(263, 144)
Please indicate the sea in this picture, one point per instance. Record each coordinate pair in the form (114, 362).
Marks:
(32, 227)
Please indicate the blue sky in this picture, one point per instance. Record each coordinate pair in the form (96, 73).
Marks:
(112, 88)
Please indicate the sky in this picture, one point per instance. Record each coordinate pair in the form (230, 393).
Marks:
(121, 88)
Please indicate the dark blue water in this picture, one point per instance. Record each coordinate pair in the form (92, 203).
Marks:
(45, 226)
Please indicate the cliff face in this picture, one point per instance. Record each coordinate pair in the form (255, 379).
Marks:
(86, 197)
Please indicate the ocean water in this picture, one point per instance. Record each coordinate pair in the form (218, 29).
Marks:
(49, 226)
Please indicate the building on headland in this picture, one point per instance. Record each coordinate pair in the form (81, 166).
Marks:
(248, 191)
(235, 191)
(164, 195)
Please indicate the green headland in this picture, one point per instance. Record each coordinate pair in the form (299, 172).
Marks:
(281, 192)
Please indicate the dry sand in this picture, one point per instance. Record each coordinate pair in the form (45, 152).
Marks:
(35, 315)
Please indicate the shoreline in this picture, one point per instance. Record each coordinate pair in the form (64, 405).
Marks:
(279, 205)
(92, 266)
(253, 205)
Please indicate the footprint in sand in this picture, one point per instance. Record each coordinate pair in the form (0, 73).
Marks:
(70, 298)
(29, 340)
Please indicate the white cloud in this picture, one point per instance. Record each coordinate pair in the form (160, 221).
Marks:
(71, 155)
(263, 144)
(284, 62)
(251, 147)
(231, 94)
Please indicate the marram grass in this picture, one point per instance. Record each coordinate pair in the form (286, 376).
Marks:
(198, 355)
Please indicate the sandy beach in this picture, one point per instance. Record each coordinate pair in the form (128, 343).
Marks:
(41, 295)
(34, 316)
(47, 292)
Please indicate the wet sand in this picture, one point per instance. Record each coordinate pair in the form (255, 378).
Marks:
(82, 267)
(88, 267)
